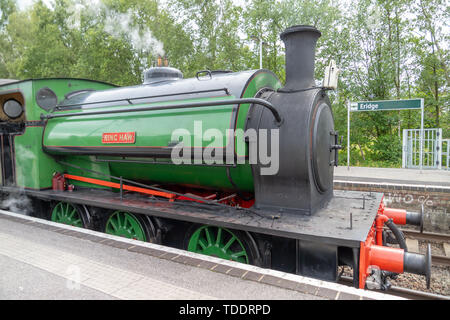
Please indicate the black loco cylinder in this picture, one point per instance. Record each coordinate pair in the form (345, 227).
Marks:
(307, 140)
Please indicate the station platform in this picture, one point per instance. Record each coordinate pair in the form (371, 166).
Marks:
(438, 179)
(45, 260)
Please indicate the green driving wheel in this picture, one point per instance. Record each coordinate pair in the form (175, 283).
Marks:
(68, 214)
(125, 224)
(218, 242)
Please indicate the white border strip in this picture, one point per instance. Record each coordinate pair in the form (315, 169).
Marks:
(275, 273)
(387, 184)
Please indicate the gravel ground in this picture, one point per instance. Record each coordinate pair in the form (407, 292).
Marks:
(440, 281)
(436, 247)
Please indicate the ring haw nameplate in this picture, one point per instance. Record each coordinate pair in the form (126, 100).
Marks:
(119, 137)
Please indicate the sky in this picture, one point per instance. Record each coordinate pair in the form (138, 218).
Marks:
(26, 3)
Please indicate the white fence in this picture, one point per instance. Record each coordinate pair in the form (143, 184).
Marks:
(432, 155)
(445, 154)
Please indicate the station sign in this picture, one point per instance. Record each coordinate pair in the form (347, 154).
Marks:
(386, 105)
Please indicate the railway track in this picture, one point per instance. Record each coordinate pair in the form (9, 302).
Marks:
(427, 236)
(443, 260)
(440, 260)
(415, 294)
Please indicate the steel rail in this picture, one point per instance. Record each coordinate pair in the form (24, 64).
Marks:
(216, 103)
(426, 235)
(401, 291)
(430, 236)
(441, 260)
(416, 294)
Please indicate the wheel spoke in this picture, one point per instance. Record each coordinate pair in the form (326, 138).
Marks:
(57, 211)
(239, 254)
(72, 213)
(202, 244)
(208, 237)
(58, 214)
(127, 221)
(112, 224)
(219, 237)
(117, 216)
(229, 243)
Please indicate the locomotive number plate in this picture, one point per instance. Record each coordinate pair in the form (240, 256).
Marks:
(119, 137)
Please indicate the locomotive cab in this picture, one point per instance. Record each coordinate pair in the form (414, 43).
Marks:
(23, 162)
(12, 123)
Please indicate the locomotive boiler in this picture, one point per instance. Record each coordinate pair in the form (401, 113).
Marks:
(230, 164)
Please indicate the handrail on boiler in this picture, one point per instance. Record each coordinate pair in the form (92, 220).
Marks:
(62, 107)
(257, 101)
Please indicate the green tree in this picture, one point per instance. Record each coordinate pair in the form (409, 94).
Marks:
(149, 17)
(385, 50)
(263, 19)
(213, 27)
(432, 56)
(6, 8)
(76, 39)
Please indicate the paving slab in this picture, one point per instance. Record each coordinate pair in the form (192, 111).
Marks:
(393, 175)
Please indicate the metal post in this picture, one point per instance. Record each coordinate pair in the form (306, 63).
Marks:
(348, 135)
(260, 48)
(404, 148)
(439, 148)
(448, 153)
(421, 134)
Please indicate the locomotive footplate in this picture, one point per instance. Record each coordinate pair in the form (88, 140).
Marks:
(344, 221)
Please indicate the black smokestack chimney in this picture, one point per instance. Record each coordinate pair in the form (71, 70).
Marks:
(300, 43)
